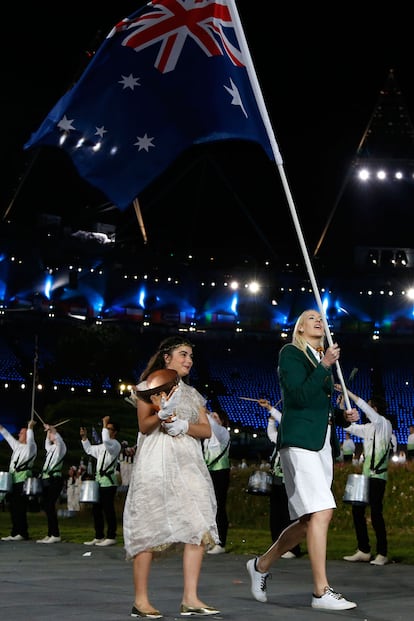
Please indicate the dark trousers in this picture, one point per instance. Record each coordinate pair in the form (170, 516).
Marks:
(50, 495)
(279, 514)
(221, 482)
(105, 510)
(376, 497)
(18, 511)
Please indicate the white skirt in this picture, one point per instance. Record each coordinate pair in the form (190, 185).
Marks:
(308, 478)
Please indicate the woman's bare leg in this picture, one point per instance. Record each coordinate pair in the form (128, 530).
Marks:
(141, 571)
(317, 536)
(288, 539)
(192, 560)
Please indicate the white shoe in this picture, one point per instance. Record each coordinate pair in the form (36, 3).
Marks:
(359, 556)
(216, 550)
(258, 586)
(106, 542)
(331, 600)
(288, 554)
(44, 540)
(379, 560)
(93, 542)
(53, 539)
(13, 538)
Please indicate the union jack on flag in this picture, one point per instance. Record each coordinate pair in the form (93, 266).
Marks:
(170, 76)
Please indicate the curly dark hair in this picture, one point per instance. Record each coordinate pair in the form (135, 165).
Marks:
(166, 347)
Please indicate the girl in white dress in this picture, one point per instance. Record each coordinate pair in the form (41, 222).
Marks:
(171, 497)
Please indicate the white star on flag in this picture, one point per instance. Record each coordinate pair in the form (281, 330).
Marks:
(129, 81)
(100, 131)
(236, 101)
(65, 124)
(144, 143)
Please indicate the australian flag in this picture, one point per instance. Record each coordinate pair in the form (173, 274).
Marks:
(170, 76)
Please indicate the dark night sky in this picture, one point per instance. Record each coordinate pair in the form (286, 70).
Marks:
(321, 71)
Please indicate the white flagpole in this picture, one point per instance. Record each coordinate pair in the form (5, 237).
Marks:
(279, 162)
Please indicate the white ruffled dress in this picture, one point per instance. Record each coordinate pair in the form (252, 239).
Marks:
(171, 497)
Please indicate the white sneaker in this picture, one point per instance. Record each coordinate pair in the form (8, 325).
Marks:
(44, 540)
(93, 542)
(288, 554)
(106, 542)
(258, 586)
(379, 560)
(216, 550)
(53, 539)
(359, 556)
(13, 538)
(331, 600)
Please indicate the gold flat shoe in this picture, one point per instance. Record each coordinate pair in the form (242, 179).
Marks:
(203, 611)
(145, 614)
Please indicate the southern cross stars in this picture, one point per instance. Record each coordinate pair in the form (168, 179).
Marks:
(144, 142)
(100, 131)
(65, 124)
(236, 101)
(129, 82)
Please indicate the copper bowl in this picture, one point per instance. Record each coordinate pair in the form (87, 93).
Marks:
(162, 380)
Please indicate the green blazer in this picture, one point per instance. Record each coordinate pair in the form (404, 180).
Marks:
(307, 389)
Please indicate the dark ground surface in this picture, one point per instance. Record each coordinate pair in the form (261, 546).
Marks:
(63, 581)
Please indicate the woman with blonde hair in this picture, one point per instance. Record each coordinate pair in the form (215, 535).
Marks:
(308, 443)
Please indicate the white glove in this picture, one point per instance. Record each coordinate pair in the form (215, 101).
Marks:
(177, 428)
(167, 406)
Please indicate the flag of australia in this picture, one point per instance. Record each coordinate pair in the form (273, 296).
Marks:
(170, 76)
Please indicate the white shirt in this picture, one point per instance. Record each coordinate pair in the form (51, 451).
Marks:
(55, 452)
(105, 455)
(274, 417)
(348, 446)
(379, 428)
(410, 442)
(22, 454)
(216, 444)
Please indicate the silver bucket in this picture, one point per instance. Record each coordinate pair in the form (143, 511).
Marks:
(89, 491)
(260, 483)
(32, 487)
(357, 489)
(6, 481)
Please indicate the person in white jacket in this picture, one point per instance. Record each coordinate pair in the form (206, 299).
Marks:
(21, 464)
(348, 448)
(410, 444)
(376, 435)
(52, 481)
(106, 455)
(216, 454)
